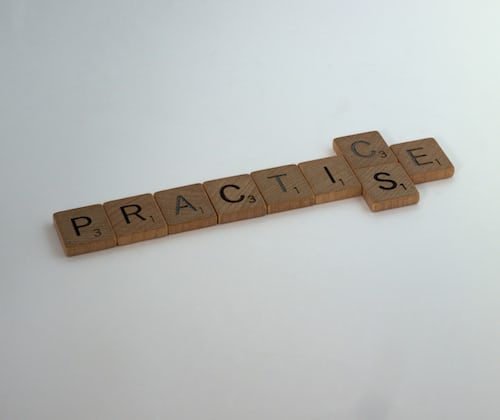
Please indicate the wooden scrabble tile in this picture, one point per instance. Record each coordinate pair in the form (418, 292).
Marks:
(283, 188)
(364, 150)
(387, 186)
(135, 219)
(423, 160)
(186, 208)
(235, 198)
(330, 179)
(84, 229)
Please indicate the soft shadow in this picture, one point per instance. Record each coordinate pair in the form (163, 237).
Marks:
(55, 248)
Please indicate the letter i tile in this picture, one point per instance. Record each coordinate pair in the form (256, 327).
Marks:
(85, 229)
(136, 219)
(331, 179)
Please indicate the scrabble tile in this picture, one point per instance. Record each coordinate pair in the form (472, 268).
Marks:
(235, 198)
(423, 160)
(186, 208)
(364, 150)
(330, 179)
(387, 186)
(85, 229)
(135, 219)
(283, 188)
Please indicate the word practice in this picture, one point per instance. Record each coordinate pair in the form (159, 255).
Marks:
(364, 165)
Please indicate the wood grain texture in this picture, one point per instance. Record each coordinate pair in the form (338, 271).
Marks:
(364, 150)
(135, 219)
(283, 188)
(331, 179)
(186, 208)
(235, 198)
(84, 229)
(387, 186)
(423, 160)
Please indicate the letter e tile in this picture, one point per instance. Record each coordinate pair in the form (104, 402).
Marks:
(186, 208)
(136, 219)
(387, 186)
(331, 179)
(283, 188)
(235, 198)
(364, 150)
(423, 160)
(85, 229)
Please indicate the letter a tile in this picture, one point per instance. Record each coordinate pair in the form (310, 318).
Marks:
(283, 188)
(85, 229)
(364, 150)
(136, 219)
(387, 186)
(186, 208)
(423, 160)
(331, 179)
(235, 198)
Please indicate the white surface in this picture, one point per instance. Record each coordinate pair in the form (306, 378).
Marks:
(328, 312)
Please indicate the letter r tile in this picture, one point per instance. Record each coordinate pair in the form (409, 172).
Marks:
(331, 179)
(85, 229)
(283, 188)
(387, 187)
(136, 219)
(186, 208)
(364, 150)
(423, 160)
(235, 198)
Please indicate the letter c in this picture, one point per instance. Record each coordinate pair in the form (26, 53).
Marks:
(356, 152)
(224, 196)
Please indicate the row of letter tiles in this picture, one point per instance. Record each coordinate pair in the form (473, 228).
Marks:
(366, 165)
(388, 174)
(146, 216)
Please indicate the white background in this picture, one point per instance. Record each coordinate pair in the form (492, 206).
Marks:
(327, 312)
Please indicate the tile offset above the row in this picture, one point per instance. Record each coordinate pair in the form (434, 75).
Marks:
(364, 150)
